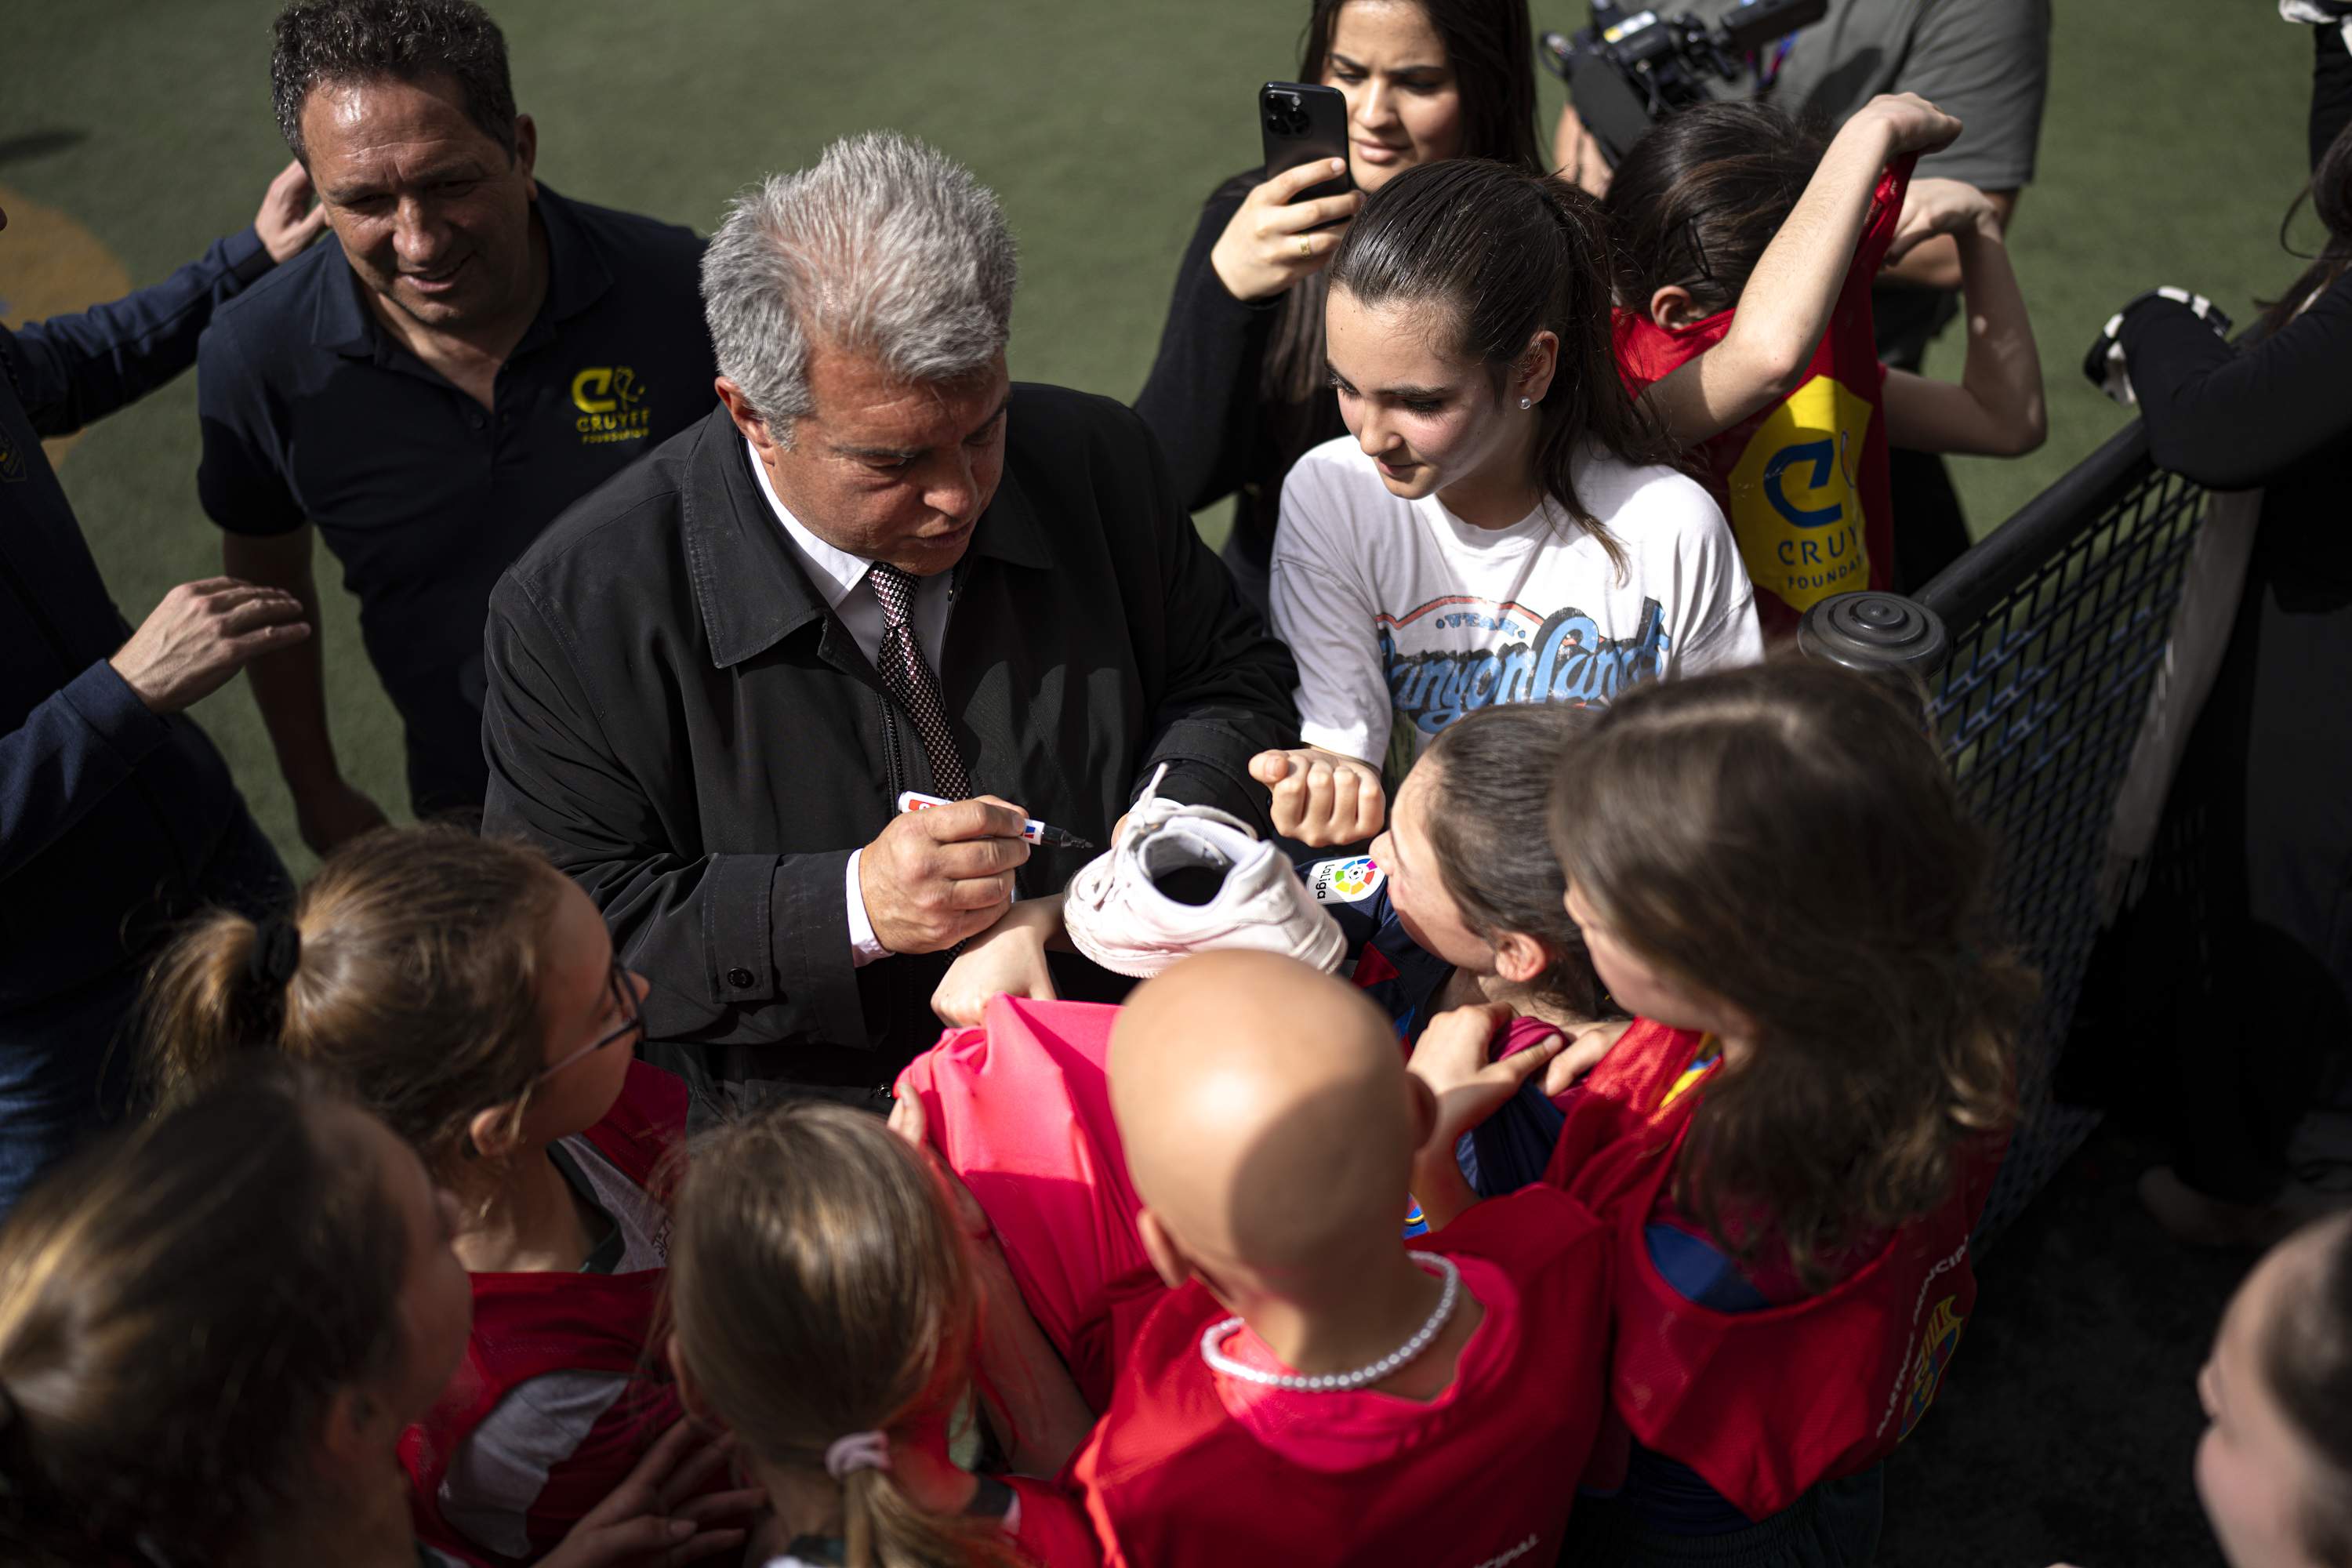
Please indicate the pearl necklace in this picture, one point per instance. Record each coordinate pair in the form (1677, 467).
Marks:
(1340, 1381)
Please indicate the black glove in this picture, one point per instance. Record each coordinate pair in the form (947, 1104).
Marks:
(2105, 367)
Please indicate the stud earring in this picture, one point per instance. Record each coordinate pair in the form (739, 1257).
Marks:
(1526, 402)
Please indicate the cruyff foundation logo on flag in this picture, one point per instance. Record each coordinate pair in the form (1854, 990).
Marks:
(1796, 496)
(611, 404)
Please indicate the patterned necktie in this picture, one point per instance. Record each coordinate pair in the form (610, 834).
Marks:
(907, 677)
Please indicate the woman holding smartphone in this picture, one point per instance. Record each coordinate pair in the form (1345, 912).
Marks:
(1240, 388)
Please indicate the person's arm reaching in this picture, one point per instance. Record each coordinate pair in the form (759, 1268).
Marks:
(73, 369)
(289, 687)
(1225, 683)
(1788, 300)
(1936, 263)
(2231, 419)
(1987, 63)
(1202, 397)
(84, 741)
(1996, 408)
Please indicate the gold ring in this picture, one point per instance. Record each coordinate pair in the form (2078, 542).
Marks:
(1306, 246)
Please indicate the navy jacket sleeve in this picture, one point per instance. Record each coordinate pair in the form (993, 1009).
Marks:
(67, 755)
(70, 370)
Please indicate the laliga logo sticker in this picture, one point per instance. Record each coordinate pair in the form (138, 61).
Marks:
(1344, 881)
(1796, 496)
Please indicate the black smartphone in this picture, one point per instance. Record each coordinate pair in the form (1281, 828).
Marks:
(1302, 123)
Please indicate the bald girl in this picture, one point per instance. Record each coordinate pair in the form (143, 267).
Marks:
(1310, 1391)
(1270, 1128)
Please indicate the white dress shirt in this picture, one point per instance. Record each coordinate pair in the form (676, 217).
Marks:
(841, 578)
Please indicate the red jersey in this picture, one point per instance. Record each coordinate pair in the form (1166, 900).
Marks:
(1020, 1108)
(1761, 1405)
(589, 1329)
(1189, 1467)
(1804, 482)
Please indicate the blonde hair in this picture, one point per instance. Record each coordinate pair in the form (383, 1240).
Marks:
(819, 1287)
(179, 1308)
(416, 983)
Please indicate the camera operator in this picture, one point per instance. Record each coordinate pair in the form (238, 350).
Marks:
(1986, 63)
(1239, 389)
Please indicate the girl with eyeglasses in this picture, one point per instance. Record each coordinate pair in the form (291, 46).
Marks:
(468, 994)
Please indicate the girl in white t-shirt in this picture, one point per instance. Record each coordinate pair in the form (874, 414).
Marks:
(1500, 524)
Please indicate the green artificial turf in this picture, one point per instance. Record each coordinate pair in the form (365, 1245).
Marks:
(2173, 142)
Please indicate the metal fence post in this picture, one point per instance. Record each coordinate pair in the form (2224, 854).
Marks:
(1879, 634)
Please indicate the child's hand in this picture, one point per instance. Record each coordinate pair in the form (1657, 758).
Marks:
(1321, 798)
(909, 1121)
(1910, 123)
(1940, 206)
(1582, 1053)
(1450, 1057)
(643, 1521)
(1008, 959)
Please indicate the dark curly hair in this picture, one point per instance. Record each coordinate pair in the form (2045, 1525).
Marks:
(317, 41)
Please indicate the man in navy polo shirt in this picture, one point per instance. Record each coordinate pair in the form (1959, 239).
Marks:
(467, 356)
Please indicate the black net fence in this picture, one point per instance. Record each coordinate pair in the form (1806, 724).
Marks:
(2058, 623)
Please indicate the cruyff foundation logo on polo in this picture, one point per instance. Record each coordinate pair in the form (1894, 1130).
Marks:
(611, 404)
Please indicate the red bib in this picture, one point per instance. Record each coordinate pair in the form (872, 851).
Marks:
(1762, 1404)
(528, 1325)
(1804, 481)
(1191, 1468)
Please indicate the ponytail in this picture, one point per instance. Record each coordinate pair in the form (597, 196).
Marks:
(1508, 254)
(821, 1295)
(884, 1528)
(410, 971)
(218, 995)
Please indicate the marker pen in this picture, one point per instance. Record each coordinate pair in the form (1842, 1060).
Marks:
(1034, 831)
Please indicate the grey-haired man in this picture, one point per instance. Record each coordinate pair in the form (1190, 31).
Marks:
(879, 566)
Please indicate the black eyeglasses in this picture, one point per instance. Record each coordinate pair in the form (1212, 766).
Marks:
(624, 998)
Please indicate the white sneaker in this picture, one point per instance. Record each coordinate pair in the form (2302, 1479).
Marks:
(1181, 879)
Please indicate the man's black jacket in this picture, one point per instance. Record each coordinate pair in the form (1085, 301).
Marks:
(678, 717)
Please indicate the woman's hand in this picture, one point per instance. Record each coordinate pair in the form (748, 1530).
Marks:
(1321, 798)
(1266, 246)
(1931, 207)
(1008, 959)
(643, 1523)
(1909, 122)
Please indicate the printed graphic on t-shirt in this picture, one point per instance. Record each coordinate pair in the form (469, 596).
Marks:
(1795, 495)
(1457, 654)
